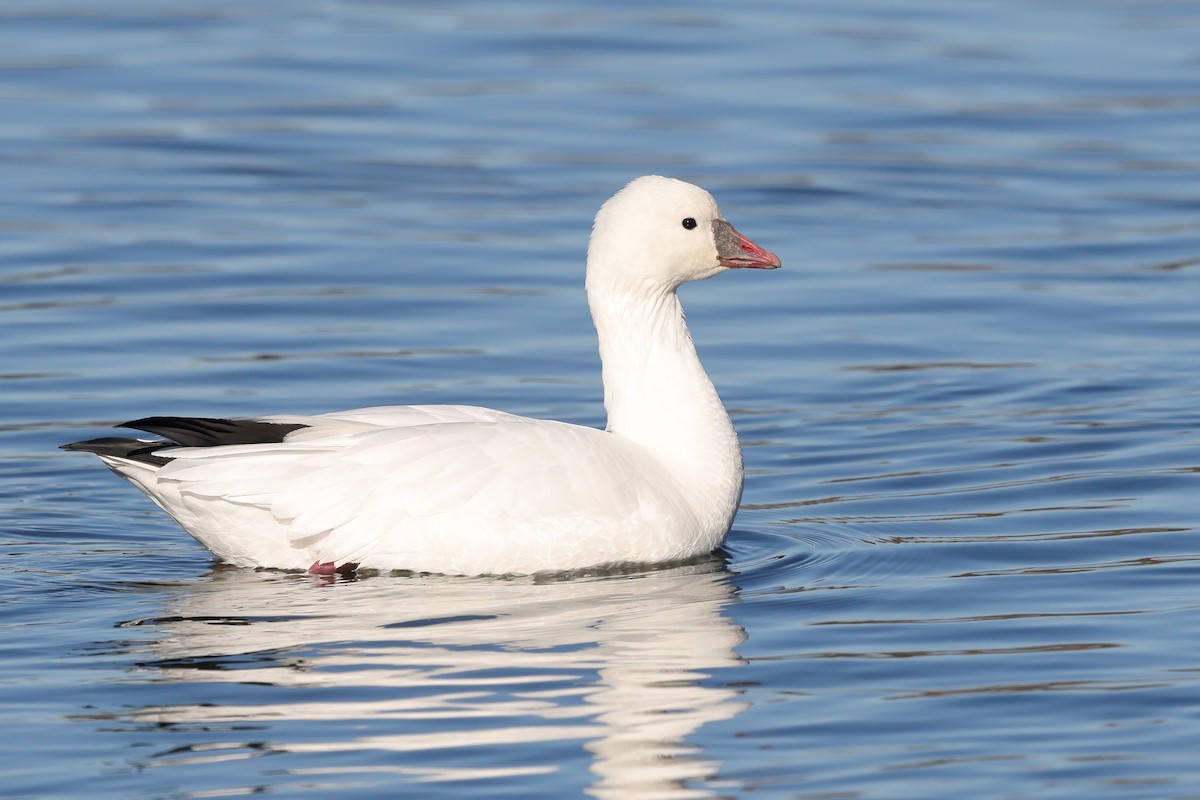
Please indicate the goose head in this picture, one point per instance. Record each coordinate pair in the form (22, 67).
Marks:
(658, 233)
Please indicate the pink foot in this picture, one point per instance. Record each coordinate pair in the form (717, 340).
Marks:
(330, 568)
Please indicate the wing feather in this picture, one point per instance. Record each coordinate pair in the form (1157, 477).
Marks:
(347, 489)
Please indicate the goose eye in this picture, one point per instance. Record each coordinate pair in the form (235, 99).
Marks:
(688, 223)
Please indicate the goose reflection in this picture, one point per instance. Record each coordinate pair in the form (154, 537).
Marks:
(412, 673)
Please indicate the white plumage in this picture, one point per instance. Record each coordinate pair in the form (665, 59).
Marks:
(467, 490)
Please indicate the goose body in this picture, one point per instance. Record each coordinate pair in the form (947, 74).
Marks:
(473, 491)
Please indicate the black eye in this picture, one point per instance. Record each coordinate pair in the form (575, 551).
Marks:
(688, 223)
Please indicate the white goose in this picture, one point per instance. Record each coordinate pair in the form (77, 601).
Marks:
(472, 491)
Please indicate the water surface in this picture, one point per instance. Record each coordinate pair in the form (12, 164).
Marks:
(967, 558)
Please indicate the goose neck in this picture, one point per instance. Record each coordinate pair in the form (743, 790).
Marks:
(658, 395)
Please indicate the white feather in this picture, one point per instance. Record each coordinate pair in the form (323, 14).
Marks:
(468, 490)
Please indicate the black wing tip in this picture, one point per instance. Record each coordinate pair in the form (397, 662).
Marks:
(82, 446)
(121, 447)
(162, 421)
(103, 444)
(183, 432)
(213, 431)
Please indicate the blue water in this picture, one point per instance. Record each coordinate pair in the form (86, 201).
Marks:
(968, 556)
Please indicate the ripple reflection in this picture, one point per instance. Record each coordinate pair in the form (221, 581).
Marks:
(394, 669)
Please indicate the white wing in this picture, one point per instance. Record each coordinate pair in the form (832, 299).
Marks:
(441, 489)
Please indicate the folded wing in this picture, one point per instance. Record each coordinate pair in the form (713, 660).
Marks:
(442, 488)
